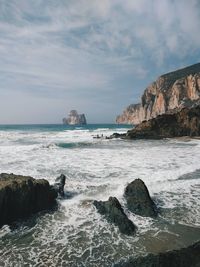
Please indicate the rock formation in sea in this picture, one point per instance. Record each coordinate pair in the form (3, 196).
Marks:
(59, 185)
(177, 89)
(185, 257)
(139, 200)
(185, 122)
(113, 212)
(21, 196)
(75, 119)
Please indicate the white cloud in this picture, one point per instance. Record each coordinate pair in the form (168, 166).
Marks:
(56, 47)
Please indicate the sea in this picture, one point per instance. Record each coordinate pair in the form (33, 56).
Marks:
(75, 234)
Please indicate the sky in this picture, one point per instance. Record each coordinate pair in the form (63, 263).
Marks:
(95, 56)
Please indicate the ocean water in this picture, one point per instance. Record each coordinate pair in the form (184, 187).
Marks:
(75, 235)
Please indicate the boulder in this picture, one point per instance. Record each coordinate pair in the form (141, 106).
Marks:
(59, 185)
(113, 212)
(139, 200)
(21, 196)
(185, 257)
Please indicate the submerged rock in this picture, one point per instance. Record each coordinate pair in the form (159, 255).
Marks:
(59, 185)
(114, 213)
(139, 200)
(21, 196)
(185, 257)
(185, 122)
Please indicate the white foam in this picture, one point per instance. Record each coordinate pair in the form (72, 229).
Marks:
(97, 172)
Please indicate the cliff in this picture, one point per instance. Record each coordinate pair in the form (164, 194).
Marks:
(174, 90)
(75, 119)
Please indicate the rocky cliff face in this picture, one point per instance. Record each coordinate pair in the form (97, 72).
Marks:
(75, 119)
(170, 91)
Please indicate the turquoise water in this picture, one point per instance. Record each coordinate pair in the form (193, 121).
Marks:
(59, 127)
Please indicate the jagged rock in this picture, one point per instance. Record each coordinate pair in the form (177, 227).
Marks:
(75, 119)
(185, 257)
(177, 89)
(59, 185)
(20, 196)
(139, 200)
(114, 213)
(183, 123)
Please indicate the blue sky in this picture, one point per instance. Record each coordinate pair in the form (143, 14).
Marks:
(90, 55)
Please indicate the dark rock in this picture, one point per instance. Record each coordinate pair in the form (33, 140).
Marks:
(114, 213)
(21, 196)
(185, 257)
(139, 200)
(115, 135)
(59, 185)
(185, 122)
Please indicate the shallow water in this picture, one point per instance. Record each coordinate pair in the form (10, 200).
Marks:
(75, 234)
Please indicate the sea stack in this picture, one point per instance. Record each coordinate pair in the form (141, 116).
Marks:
(75, 119)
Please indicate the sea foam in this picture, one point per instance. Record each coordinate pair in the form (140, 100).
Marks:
(76, 235)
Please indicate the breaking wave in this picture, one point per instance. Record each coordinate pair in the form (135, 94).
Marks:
(76, 235)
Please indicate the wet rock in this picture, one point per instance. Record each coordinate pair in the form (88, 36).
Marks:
(139, 200)
(59, 185)
(21, 196)
(185, 257)
(115, 135)
(184, 122)
(114, 213)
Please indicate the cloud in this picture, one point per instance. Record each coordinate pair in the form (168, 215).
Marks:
(89, 48)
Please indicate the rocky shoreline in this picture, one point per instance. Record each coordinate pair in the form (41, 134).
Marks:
(139, 202)
(22, 196)
(183, 123)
